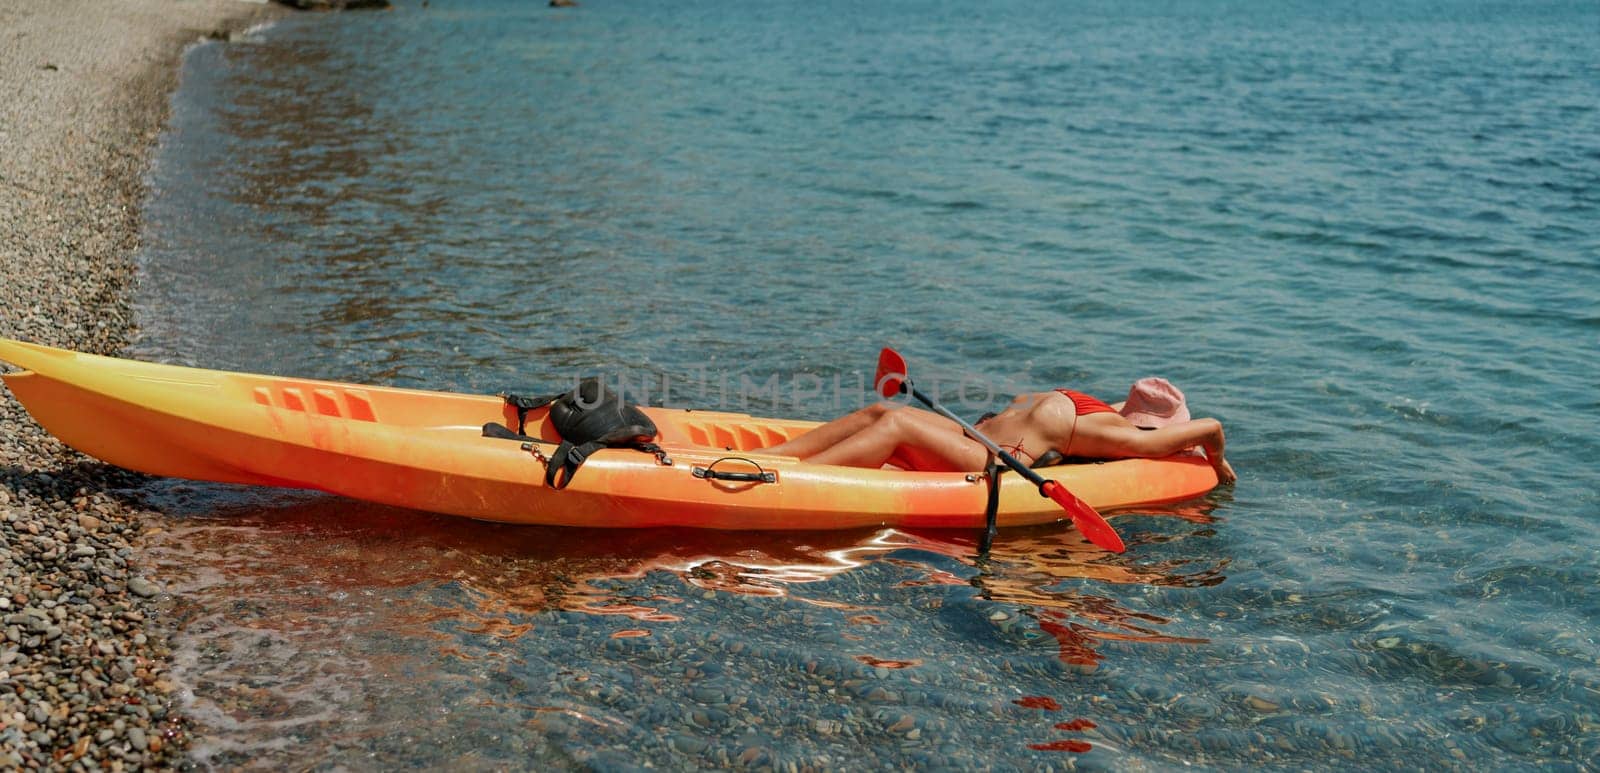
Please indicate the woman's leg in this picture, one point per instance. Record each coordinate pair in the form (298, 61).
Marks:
(822, 438)
(930, 442)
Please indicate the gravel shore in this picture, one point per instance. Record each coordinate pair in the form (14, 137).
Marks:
(84, 88)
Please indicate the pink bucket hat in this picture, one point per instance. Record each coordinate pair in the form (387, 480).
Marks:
(1155, 402)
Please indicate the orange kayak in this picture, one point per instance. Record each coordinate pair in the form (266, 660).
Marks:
(425, 450)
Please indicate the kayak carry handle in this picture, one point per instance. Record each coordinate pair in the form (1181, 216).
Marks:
(709, 472)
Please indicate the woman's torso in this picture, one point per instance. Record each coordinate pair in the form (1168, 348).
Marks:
(1034, 423)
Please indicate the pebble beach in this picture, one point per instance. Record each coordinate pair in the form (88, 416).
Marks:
(85, 90)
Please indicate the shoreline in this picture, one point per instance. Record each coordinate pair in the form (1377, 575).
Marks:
(83, 653)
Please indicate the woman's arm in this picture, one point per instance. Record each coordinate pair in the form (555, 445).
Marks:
(1206, 433)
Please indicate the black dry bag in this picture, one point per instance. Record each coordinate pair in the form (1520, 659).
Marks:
(589, 418)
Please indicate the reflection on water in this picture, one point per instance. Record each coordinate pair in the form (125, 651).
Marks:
(323, 630)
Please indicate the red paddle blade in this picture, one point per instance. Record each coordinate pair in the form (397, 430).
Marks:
(891, 372)
(1090, 523)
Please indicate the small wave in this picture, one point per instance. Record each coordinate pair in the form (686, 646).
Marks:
(1418, 232)
(888, 117)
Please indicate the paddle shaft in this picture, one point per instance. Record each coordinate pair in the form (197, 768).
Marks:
(972, 432)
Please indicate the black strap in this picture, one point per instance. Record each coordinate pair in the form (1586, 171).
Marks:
(1049, 458)
(524, 404)
(568, 458)
(991, 509)
(495, 429)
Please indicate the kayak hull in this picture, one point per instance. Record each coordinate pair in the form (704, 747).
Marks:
(425, 450)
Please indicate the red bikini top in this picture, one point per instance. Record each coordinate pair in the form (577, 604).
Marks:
(1087, 404)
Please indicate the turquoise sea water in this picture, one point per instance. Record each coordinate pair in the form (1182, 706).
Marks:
(1363, 235)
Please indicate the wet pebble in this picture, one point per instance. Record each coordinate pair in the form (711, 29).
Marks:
(139, 586)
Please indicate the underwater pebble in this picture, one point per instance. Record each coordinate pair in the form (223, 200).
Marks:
(139, 586)
(1262, 705)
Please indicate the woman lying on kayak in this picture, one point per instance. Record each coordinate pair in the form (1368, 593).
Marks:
(1153, 422)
